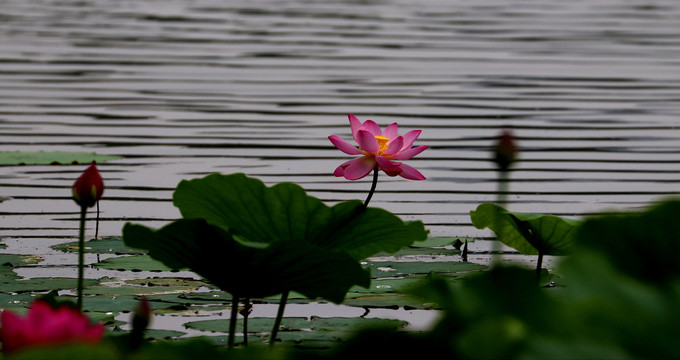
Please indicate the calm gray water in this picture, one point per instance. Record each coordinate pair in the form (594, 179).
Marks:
(181, 89)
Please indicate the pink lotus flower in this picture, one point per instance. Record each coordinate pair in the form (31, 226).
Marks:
(44, 325)
(379, 148)
(89, 187)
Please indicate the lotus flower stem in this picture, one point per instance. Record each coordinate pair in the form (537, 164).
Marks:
(81, 256)
(373, 185)
(232, 321)
(279, 316)
(539, 265)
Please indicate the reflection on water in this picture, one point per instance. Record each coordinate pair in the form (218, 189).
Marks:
(184, 88)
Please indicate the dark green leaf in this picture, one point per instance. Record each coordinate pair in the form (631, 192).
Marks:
(239, 269)
(284, 212)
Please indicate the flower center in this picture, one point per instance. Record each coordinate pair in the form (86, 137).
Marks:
(382, 143)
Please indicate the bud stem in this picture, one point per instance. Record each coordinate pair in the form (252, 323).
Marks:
(81, 256)
(501, 200)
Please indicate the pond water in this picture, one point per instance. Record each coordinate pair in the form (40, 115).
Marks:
(183, 88)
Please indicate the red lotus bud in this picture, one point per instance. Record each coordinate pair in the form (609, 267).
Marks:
(506, 150)
(141, 317)
(89, 187)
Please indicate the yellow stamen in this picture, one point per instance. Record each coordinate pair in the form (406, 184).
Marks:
(383, 142)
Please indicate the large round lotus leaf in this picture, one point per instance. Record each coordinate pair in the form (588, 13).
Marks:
(284, 212)
(249, 271)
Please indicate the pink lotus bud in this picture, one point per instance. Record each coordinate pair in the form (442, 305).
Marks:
(45, 326)
(505, 151)
(141, 316)
(89, 187)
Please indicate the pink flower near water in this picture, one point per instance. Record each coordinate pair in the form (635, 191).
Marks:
(45, 326)
(378, 148)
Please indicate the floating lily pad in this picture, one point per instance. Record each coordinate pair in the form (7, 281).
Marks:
(133, 263)
(110, 245)
(384, 286)
(44, 284)
(207, 297)
(441, 241)
(113, 304)
(11, 260)
(395, 268)
(18, 301)
(385, 301)
(423, 251)
(255, 324)
(144, 287)
(153, 334)
(51, 158)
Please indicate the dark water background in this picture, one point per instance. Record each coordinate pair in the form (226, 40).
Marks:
(181, 89)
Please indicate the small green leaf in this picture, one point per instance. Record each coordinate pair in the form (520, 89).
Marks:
(530, 234)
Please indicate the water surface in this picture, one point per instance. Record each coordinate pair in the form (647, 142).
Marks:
(181, 89)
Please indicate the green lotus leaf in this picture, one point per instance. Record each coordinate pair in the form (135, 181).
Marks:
(251, 211)
(213, 253)
(530, 234)
(643, 244)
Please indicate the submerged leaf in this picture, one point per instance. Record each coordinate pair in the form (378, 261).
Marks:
(530, 234)
(51, 157)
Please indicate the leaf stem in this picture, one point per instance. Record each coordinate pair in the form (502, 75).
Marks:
(232, 321)
(373, 185)
(279, 317)
(246, 313)
(81, 257)
(539, 265)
